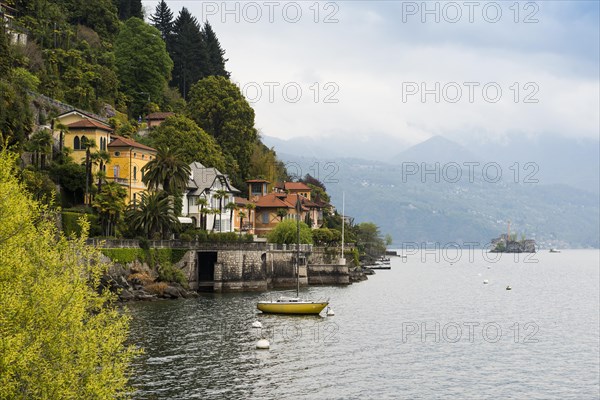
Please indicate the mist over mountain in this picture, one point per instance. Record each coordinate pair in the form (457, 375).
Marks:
(421, 195)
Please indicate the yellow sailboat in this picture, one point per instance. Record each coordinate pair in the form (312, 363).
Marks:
(293, 305)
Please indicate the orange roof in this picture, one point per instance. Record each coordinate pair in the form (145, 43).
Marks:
(281, 200)
(293, 186)
(121, 141)
(271, 200)
(89, 124)
(159, 115)
(241, 200)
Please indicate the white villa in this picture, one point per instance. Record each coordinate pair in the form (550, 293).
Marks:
(207, 183)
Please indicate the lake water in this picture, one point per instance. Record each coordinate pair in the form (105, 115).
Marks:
(427, 328)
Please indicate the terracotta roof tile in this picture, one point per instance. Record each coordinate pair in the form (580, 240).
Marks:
(89, 124)
(121, 141)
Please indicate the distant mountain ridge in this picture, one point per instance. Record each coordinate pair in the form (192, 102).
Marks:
(419, 209)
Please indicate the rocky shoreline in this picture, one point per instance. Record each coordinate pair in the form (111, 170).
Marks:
(137, 282)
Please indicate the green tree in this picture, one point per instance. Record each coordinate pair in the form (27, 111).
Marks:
(15, 114)
(153, 215)
(242, 215)
(129, 8)
(61, 337)
(285, 233)
(369, 239)
(193, 143)
(71, 178)
(39, 185)
(264, 164)
(167, 170)
(40, 145)
(203, 203)
(220, 195)
(188, 51)
(143, 64)
(231, 207)
(109, 203)
(101, 159)
(100, 15)
(5, 52)
(162, 19)
(215, 54)
(218, 107)
(282, 213)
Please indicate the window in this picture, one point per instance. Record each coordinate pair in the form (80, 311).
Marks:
(265, 217)
(116, 171)
(117, 153)
(135, 173)
(76, 143)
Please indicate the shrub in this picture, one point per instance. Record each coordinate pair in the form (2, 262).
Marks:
(157, 288)
(169, 273)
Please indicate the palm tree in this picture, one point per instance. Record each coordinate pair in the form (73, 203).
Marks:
(100, 158)
(214, 212)
(249, 208)
(110, 206)
(87, 144)
(153, 214)
(203, 203)
(168, 170)
(39, 144)
(231, 207)
(281, 213)
(220, 195)
(242, 216)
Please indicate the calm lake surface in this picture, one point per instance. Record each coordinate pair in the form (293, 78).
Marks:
(427, 328)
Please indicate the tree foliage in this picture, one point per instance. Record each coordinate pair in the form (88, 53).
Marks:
(153, 215)
(110, 206)
(218, 107)
(129, 8)
(215, 54)
(162, 19)
(143, 64)
(192, 142)
(167, 171)
(59, 336)
(286, 233)
(188, 51)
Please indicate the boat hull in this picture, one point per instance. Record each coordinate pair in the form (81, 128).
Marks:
(278, 307)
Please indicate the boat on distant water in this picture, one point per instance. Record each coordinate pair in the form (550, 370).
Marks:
(553, 250)
(293, 305)
(380, 266)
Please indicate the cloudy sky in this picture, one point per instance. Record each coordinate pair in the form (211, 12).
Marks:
(410, 70)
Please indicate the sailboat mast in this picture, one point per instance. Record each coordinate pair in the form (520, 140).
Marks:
(343, 220)
(298, 208)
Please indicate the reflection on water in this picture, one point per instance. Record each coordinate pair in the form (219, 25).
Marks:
(424, 329)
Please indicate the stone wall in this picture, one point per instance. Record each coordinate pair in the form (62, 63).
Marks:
(260, 267)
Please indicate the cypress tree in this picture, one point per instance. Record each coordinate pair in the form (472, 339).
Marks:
(216, 59)
(189, 53)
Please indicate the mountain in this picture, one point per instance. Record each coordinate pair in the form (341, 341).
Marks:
(422, 209)
(436, 149)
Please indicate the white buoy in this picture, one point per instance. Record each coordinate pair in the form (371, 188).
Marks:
(256, 324)
(508, 287)
(485, 281)
(263, 344)
(489, 267)
(330, 312)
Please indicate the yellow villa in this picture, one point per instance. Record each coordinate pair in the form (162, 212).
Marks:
(127, 157)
